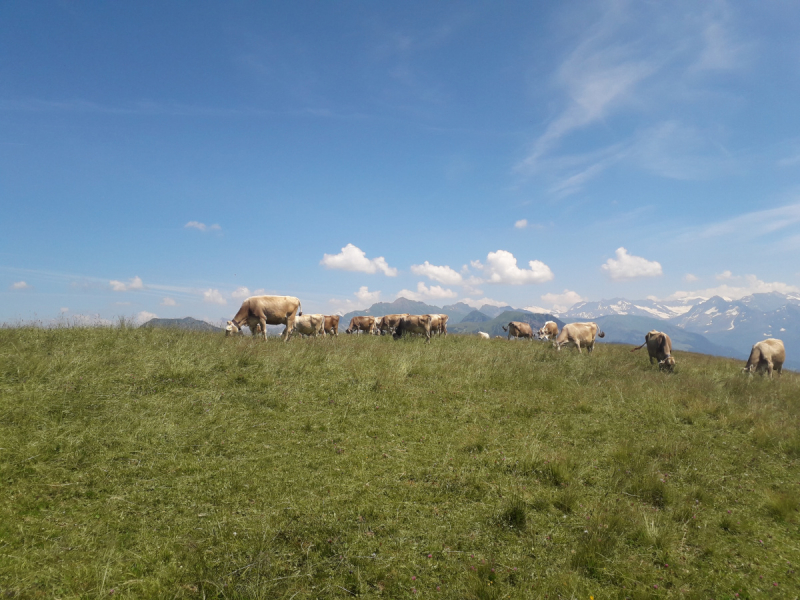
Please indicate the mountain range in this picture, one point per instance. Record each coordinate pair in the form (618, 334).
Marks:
(716, 325)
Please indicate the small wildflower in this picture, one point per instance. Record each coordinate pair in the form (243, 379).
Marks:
(413, 578)
(430, 555)
(438, 588)
(655, 586)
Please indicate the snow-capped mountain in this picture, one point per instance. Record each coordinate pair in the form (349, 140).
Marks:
(620, 306)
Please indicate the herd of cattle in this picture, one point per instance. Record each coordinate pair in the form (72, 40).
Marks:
(257, 312)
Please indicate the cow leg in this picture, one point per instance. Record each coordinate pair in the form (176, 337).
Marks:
(578, 346)
(289, 326)
(263, 323)
(769, 368)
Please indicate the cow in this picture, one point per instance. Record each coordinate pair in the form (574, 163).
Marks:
(439, 324)
(361, 324)
(483, 335)
(260, 311)
(414, 324)
(312, 325)
(659, 347)
(548, 331)
(578, 335)
(766, 355)
(518, 329)
(331, 326)
(388, 323)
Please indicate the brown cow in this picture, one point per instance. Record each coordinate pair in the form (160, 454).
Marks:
(414, 324)
(312, 325)
(331, 324)
(766, 355)
(578, 335)
(549, 331)
(260, 311)
(518, 329)
(358, 324)
(388, 323)
(659, 347)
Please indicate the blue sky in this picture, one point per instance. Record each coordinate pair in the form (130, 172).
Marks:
(169, 159)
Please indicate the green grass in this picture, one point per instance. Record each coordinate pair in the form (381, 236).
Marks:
(143, 463)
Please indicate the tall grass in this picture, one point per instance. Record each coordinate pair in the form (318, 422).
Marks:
(145, 463)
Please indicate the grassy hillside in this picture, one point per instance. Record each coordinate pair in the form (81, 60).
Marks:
(148, 463)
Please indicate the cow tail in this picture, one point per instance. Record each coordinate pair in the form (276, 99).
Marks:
(638, 348)
(602, 334)
(299, 309)
(504, 327)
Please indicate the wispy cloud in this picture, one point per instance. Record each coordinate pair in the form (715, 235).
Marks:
(737, 286)
(20, 285)
(133, 284)
(202, 226)
(753, 224)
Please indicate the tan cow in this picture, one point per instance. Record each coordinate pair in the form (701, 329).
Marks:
(766, 355)
(549, 331)
(414, 324)
(388, 323)
(439, 324)
(331, 326)
(580, 335)
(312, 325)
(358, 324)
(659, 347)
(260, 311)
(518, 329)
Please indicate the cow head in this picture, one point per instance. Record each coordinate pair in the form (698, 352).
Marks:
(668, 364)
(232, 329)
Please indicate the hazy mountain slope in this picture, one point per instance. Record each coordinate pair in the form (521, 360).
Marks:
(631, 329)
(495, 326)
(189, 323)
(476, 316)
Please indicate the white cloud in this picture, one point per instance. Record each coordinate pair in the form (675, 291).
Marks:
(521, 224)
(213, 296)
(443, 274)
(20, 285)
(435, 292)
(738, 287)
(628, 266)
(168, 302)
(133, 284)
(561, 302)
(752, 224)
(690, 278)
(202, 226)
(145, 316)
(477, 303)
(63, 310)
(352, 258)
(724, 275)
(365, 299)
(501, 267)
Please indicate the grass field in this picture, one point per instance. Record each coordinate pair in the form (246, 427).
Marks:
(144, 463)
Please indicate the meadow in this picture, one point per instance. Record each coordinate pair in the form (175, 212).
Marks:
(146, 463)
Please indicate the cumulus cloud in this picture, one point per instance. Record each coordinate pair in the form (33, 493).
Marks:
(242, 292)
(20, 285)
(501, 267)
(365, 298)
(145, 316)
(213, 296)
(435, 292)
(724, 275)
(521, 224)
(120, 286)
(628, 266)
(202, 226)
(477, 303)
(168, 302)
(690, 278)
(561, 302)
(737, 287)
(353, 258)
(443, 274)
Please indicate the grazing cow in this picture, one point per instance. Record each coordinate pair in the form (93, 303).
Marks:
(578, 335)
(483, 335)
(549, 331)
(659, 347)
(414, 324)
(358, 324)
(388, 323)
(312, 325)
(518, 329)
(331, 324)
(439, 324)
(766, 355)
(260, 311)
